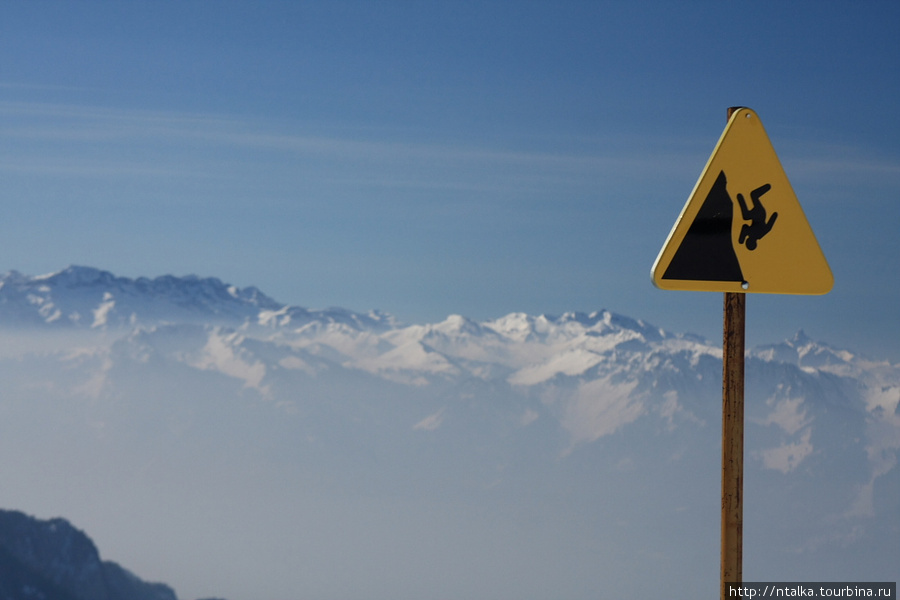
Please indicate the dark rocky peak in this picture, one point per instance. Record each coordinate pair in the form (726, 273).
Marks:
(53, 560)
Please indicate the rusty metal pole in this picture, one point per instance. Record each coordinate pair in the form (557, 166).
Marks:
(732, 437)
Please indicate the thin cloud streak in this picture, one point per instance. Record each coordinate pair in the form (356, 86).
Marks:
(92, 124)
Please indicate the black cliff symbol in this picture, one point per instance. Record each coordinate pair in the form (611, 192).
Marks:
(707, 252)
(758, 227)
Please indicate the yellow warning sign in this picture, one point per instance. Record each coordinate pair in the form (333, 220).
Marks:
(742, 228)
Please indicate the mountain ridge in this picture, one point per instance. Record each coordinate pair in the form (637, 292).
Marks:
(87, 297)
(97, 295)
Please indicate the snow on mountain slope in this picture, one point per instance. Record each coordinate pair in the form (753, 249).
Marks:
(556, 448)
(88, 297)
(596, 371)
(85, 297)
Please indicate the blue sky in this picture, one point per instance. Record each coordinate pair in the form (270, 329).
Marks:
(429, 158)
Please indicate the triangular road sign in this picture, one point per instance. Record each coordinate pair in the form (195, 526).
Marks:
(742, 229)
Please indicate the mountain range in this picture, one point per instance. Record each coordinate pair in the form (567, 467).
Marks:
(212, 437)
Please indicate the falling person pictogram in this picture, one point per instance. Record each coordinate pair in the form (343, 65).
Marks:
(758, 227)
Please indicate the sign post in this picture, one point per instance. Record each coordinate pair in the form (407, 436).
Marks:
(732, 441)
(762, 243)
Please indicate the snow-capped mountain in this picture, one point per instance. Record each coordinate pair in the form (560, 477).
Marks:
(525, 456)
(85, 297)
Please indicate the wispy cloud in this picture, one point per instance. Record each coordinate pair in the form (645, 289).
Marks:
(270, 157)
(431, 422)
(382, 158)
